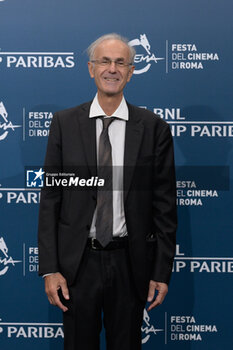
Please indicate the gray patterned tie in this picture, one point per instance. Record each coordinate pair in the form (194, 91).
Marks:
(104, 218)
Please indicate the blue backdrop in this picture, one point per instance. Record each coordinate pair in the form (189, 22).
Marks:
(183, 73)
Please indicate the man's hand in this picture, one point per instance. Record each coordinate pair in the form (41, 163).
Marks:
(162, 289)
(53, 283)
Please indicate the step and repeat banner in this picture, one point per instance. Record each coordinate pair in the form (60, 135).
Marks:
(184, 74)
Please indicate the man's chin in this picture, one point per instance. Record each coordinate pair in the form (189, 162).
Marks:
(110, 93)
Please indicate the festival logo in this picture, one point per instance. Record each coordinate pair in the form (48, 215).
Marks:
(188, 56)
(147, 328)
(143, 60)
(5, 259)
(6, 125)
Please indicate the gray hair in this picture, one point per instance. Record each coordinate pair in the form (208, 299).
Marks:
(115, 36)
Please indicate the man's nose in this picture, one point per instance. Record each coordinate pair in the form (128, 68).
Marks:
(112, 67)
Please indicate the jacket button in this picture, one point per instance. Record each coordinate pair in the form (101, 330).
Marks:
(88, 227)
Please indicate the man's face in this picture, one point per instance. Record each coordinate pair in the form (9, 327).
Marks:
(111, 79)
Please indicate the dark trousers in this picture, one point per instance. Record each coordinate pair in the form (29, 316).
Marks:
(104, 286)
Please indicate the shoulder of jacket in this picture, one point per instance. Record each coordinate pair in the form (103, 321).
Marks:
(73, 110)
(147, 116)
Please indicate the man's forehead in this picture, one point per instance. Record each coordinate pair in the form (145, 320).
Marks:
(110, 47)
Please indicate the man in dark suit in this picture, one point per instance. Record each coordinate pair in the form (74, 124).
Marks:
(108, 252)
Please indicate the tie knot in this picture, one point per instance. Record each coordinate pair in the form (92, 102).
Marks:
(107, 122)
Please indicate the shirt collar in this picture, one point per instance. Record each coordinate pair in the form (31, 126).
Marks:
(122, 112)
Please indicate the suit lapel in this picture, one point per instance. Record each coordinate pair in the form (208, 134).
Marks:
(88, 133)
(133, 138)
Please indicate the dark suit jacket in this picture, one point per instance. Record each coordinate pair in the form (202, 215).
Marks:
(149, 196)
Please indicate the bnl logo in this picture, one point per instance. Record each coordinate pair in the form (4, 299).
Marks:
(35, 178)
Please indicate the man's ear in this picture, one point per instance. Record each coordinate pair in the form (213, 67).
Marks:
(91, 69)
(130, 73)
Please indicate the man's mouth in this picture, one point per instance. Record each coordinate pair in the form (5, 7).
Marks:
(111, 79)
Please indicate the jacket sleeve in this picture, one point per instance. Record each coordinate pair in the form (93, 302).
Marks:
(50, 204)
(164, 206)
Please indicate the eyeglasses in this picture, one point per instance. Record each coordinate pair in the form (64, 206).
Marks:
(105, 62)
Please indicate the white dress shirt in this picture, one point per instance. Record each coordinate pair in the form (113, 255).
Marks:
(116, 133)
